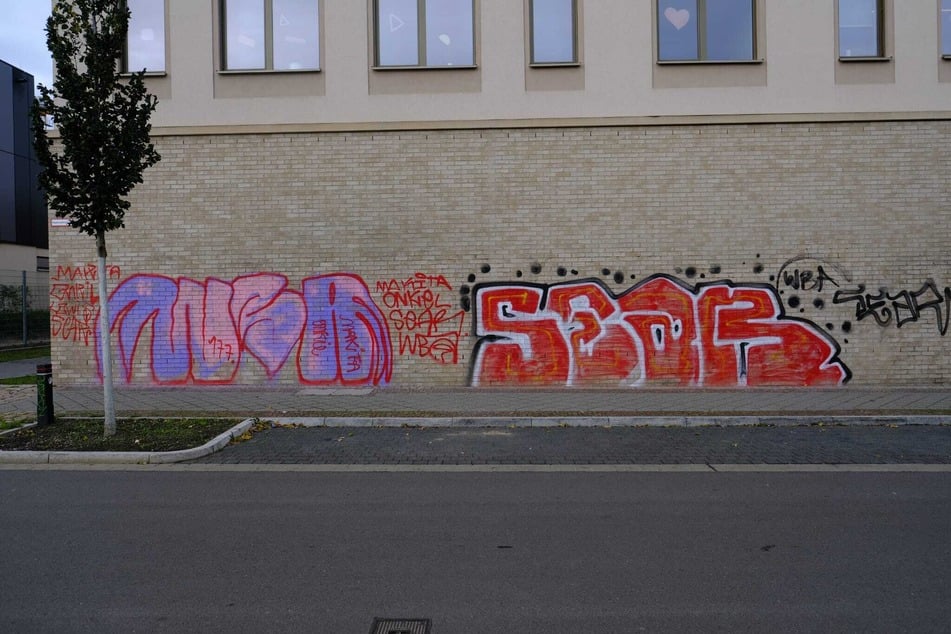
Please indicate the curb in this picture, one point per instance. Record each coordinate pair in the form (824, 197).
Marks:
(125, 457)
(222, 440)
(16, 429)
(604, 421)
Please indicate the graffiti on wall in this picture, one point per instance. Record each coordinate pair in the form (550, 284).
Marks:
(884, 307)
(422, 315)
(659, 331)
(74, 301)
(330, 331)
(202, 332)
(901, 307)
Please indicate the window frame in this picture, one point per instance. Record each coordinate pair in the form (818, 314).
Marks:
(420, 40)
(944, 31)
(126, 70)
(702, 38)
(880, 25)
(575, 56)
(268, 8)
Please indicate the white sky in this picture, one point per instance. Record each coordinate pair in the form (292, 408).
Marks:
(22, 37)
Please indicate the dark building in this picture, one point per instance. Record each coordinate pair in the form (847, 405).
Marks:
(22, 205)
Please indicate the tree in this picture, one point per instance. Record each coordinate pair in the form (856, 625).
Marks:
(103, 146)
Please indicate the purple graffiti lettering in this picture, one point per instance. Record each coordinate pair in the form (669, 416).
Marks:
(347, 339)
(200, 331)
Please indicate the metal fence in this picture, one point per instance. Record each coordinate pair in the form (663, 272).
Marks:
(24, 308)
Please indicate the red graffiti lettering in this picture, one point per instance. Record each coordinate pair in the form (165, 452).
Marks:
(522, 343)
(84, 272)
(661, 312)
(74, 301)
(659, 332)
(427, 325)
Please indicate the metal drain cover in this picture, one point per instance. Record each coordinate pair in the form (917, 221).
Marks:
(400, 626)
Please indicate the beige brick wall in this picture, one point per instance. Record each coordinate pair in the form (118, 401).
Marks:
(868, 202)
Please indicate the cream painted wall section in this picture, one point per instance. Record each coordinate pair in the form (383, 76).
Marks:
(618, 62)
(190, 58)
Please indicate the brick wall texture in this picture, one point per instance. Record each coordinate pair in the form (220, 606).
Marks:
(761, 254)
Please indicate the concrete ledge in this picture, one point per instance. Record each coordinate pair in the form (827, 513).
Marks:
(24, 457)
(99, 457)
(16, 429)
(601, 421)
(832, 468)
(647, 421)
(222, 440)
(570, 421)
(125, 457)
(711, 469)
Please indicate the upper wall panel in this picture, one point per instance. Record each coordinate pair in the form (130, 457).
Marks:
(631, 59)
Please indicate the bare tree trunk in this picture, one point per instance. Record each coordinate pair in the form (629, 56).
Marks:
(105, 340)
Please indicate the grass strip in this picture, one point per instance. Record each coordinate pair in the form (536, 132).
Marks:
(19, 380)
(18, 354)
(132, 434)
(12, 422)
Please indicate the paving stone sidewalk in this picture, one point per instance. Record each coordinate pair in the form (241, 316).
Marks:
(603, 446)
(471, 402)
(494, 426)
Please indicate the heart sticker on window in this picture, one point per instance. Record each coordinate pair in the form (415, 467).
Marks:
(677, 17)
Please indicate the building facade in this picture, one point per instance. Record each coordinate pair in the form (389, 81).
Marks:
(23, 222)
(493, 193)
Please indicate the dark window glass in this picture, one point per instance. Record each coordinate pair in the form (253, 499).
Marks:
(8, 191)
(678, 34)
(244, 34)
(424, 33)
(397, 33)
(729, 32)
(946, 27)
(271, 34)
(860, 28)
(705, 30)
(553, 31)
(449, 33)
(145, 47)
(295, 34)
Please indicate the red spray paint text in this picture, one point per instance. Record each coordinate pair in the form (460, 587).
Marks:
(659, 331)
(426, 324)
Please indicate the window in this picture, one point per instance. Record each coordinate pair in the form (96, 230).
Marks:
(424, 33)
(554, 34)
(946, 28)
(705, 30)
(860, 29)
(145, 42)
(271, 35)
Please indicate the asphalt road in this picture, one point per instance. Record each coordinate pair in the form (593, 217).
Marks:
(181, 550)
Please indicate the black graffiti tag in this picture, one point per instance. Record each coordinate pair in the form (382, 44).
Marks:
(807, 280)
(903, 307)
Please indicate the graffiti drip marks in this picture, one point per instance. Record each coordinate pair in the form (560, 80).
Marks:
(659, 331)
(202, 332)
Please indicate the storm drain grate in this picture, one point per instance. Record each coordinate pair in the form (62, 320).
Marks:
(400, 626)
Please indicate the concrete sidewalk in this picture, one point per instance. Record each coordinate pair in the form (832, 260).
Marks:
(458, 427)
(931, 406)
(450, 404)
